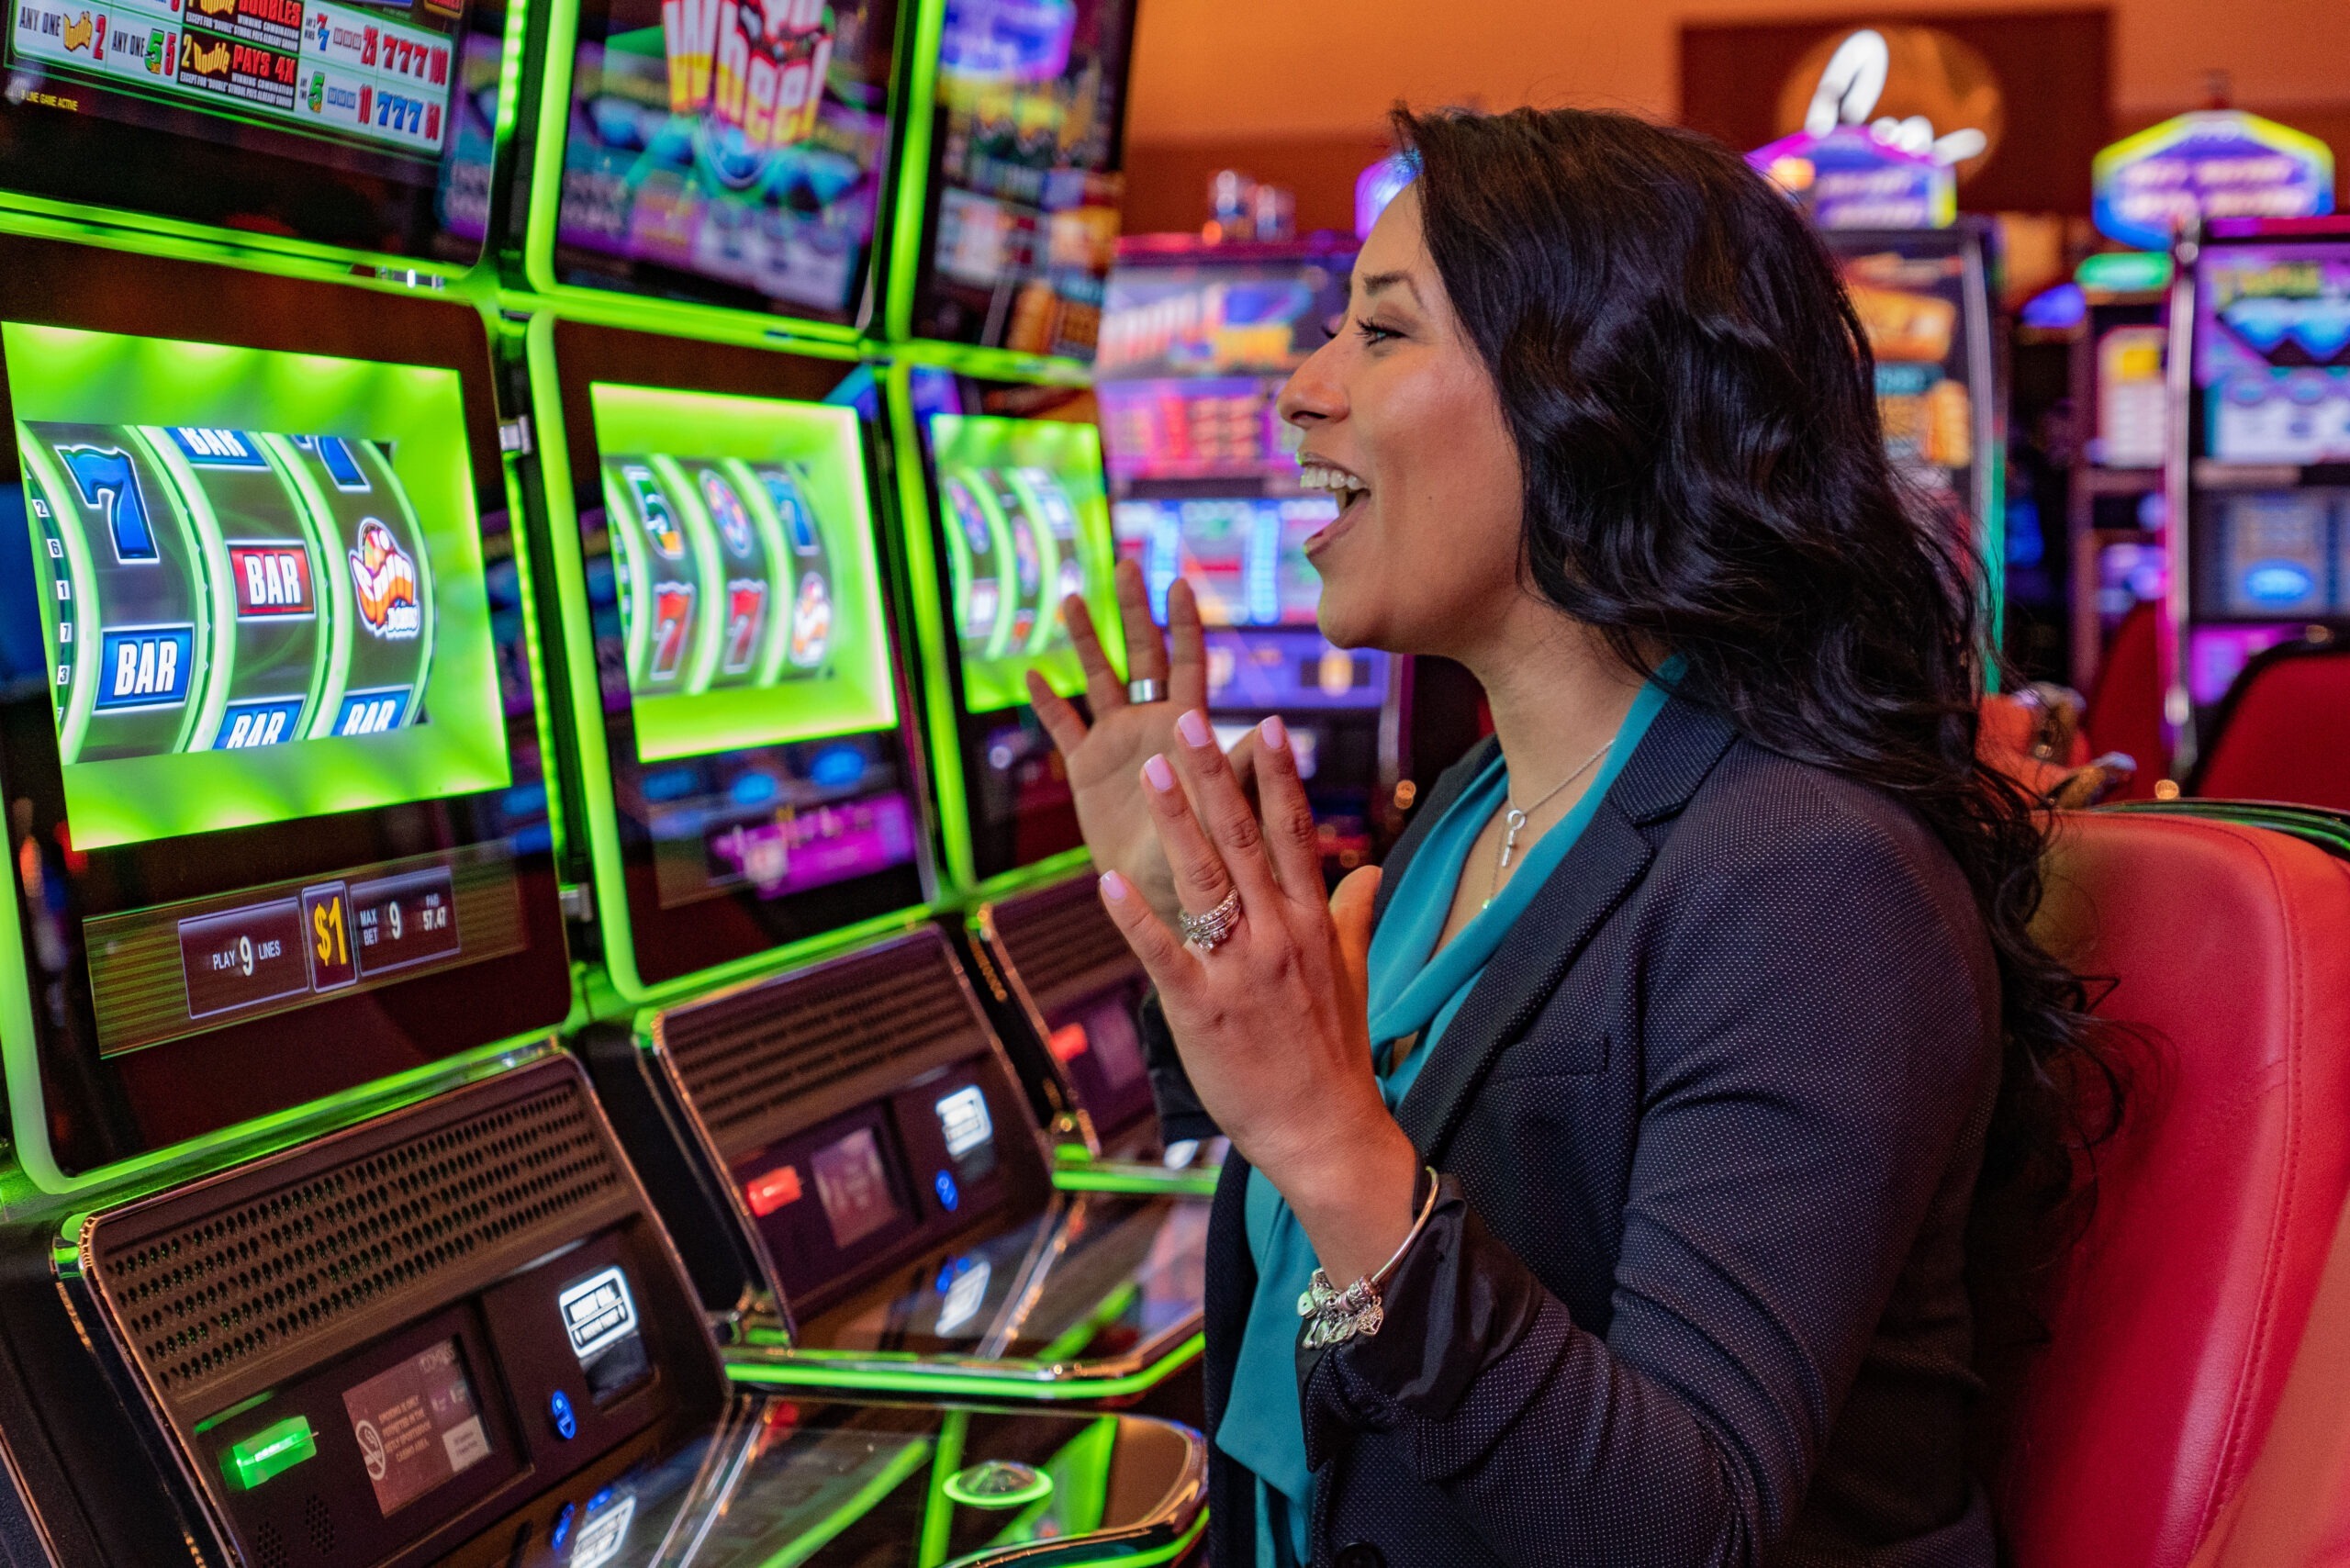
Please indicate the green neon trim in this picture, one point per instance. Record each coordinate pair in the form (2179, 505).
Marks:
(610, 307)
(1140, 1181)
(932, 631)
(1082, 1333)
(937, 1512)
(917, 128)
(963, 1487)
(1027, 1382)
(221, 1417)
(152, 234)
(1167, 1553)
(988, 364)
(888, 1479)
(268, 1453)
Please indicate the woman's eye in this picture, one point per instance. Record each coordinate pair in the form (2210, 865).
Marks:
(1372, 332)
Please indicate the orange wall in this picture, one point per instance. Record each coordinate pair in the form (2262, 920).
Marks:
(1221, 70)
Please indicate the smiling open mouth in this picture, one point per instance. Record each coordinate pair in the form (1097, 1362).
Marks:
(1340, 486)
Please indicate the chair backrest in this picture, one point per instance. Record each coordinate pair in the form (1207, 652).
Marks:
(2283, 731)
(2178, 1313)
(2125, 713)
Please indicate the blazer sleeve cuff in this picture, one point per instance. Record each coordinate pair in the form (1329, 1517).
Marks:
(1465, 1322)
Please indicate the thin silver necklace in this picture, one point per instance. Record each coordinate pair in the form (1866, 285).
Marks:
(1514, 823)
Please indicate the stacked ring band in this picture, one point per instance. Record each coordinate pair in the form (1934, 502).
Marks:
(1207, 932)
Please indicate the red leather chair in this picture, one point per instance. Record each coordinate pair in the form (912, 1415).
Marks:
(2179, 1312)
(2283, 731)
(2125, 713)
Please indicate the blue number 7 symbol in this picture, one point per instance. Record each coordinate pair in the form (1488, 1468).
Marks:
(107, 482)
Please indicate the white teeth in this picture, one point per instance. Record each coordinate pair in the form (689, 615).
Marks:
(1338, 482)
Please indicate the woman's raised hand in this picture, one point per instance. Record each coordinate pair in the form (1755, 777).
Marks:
(1103, 757)
(1271, 1021)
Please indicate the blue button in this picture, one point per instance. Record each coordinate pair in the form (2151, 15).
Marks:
(566, 1425)
(562, 1526)
(947, 1192)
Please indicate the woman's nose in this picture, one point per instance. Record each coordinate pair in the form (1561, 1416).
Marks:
(1311, 394)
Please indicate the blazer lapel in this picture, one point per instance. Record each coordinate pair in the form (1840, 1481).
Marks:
(1680, 749)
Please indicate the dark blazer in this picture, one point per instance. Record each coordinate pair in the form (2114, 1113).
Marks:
(1707, 1129)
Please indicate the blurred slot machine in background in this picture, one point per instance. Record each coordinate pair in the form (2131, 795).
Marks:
(1197, 343)
(2264, 517)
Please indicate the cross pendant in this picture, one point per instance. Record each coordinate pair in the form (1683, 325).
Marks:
(1512, 822)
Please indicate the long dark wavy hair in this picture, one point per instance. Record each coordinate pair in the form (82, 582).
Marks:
(1693, 402)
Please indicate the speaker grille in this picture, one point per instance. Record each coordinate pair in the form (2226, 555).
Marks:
(200, 1300)
(1060, 942)
(767, 1059)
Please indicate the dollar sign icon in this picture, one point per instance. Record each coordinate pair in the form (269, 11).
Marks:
(325, 943)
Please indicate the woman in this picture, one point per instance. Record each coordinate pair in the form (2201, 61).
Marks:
(1635, 1116)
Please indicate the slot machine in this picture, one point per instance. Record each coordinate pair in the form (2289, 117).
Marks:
(2114, 503)
(1925, 298)
(2259, 375)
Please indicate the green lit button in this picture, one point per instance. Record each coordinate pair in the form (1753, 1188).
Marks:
(999, 1483)
(273, 1450)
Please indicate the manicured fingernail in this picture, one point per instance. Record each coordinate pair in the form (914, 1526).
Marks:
(1161, 777)
(1274, 732)
(1113, 887)
(1193, 727)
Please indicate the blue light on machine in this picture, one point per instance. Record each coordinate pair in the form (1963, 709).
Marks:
(561, 1416)
(2277, 582)
(949, 1195)
(671, 784)
(837, 767)
(2056, 309)
(753, 789)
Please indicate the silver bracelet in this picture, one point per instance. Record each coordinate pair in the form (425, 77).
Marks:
(1334, 1316)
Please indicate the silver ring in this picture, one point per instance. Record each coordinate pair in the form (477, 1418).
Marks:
(1208, 932)
(1146, 689)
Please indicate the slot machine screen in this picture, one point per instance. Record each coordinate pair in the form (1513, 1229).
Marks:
(365, 126)
(2273, 351)
(749, 687)
(1022, 520)
(1027, 148)
(275, 797)
(731, 154)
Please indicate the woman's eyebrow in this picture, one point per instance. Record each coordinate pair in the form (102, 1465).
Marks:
(1372, 283)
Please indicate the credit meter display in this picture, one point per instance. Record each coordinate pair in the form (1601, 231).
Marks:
(600, 1318)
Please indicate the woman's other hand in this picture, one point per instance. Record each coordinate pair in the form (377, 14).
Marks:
(1272, 1023)
(1104, 759)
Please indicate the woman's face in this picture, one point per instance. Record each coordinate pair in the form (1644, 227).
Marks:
(1402, 425)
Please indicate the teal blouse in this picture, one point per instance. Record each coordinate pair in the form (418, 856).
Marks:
(1415, 989)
